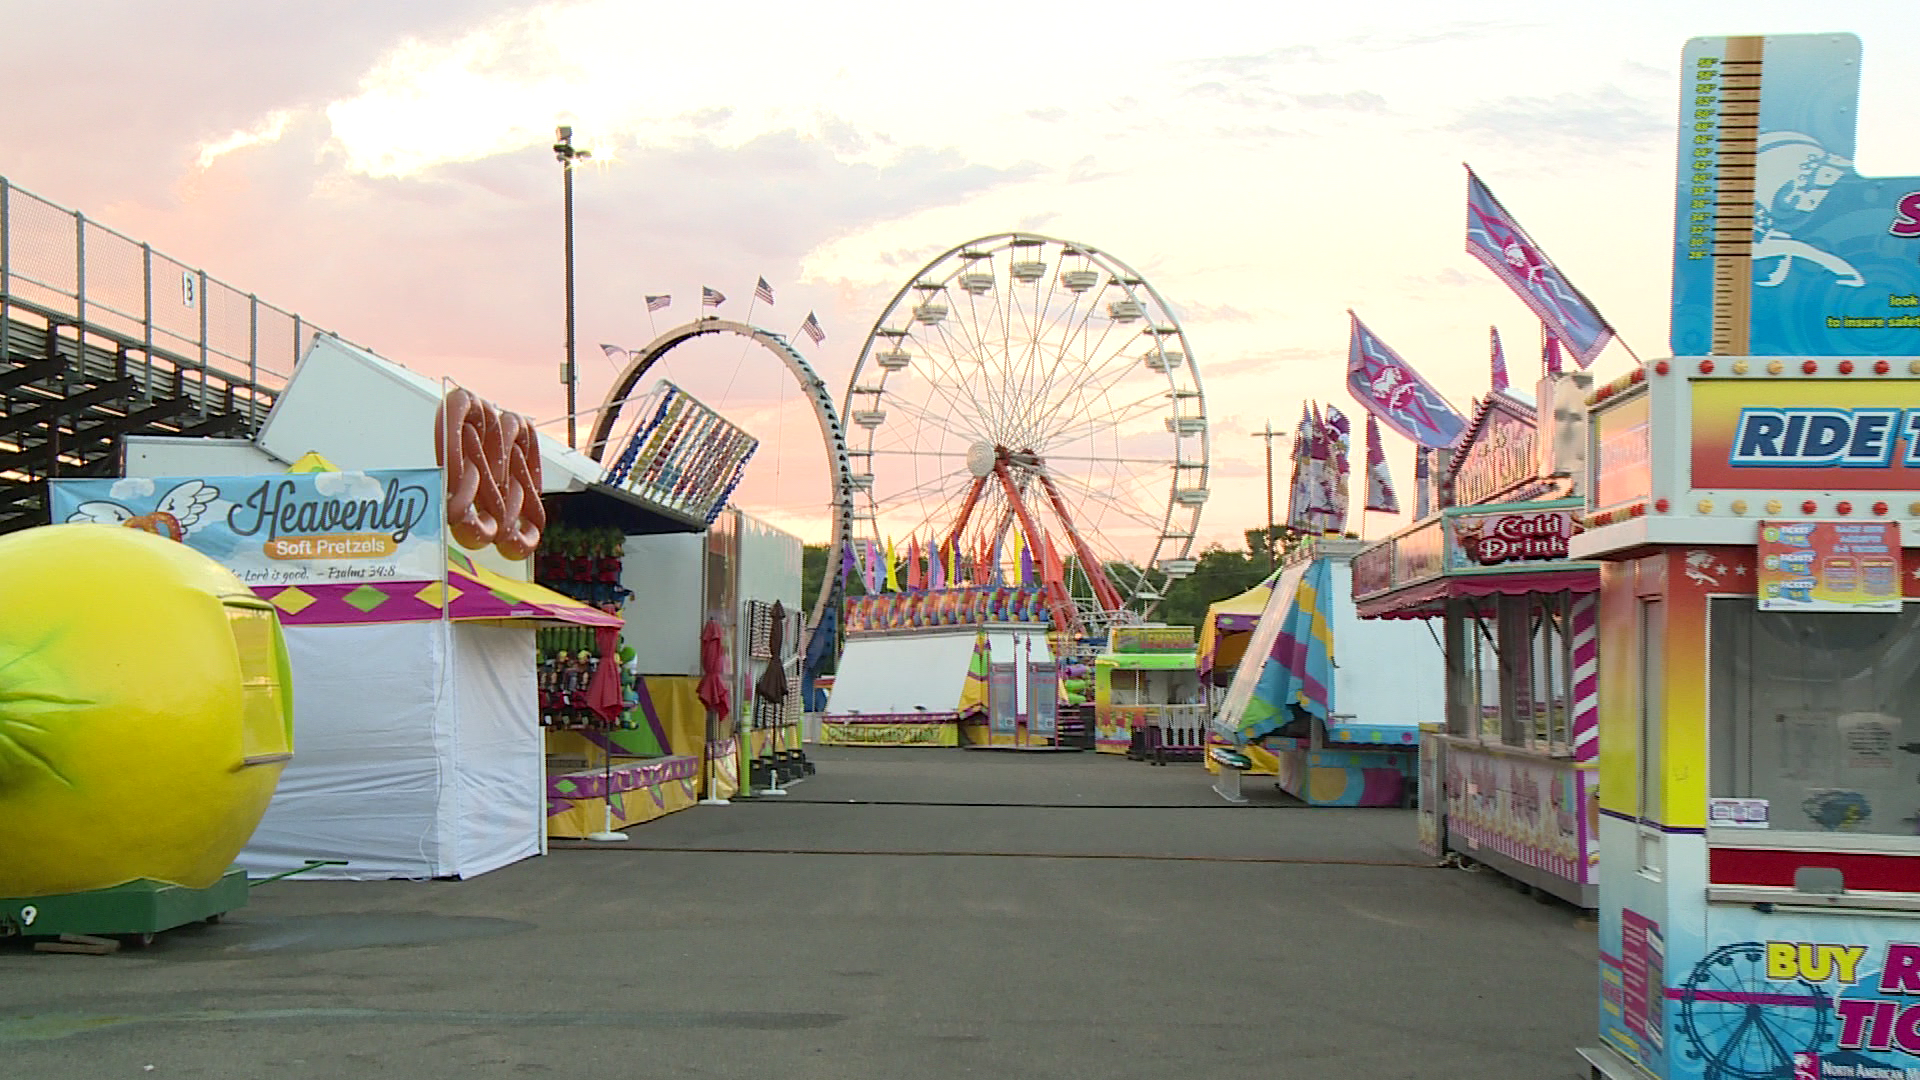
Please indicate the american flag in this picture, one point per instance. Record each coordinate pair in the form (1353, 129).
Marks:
(763, 292)
(615, 353)
(711, 297)
(657, 303)
(811, 328)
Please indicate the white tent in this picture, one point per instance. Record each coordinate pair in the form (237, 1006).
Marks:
(900, 675)
(417, 753)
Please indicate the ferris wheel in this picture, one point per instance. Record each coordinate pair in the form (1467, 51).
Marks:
(1029, 409)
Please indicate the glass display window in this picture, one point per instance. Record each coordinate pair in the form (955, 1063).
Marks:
(1812, 721)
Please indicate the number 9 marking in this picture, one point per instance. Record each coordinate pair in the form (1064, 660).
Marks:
(28, 914)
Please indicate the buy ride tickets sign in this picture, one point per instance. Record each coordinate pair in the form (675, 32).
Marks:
(282, 529)
(1806, 435)
(1829, 566)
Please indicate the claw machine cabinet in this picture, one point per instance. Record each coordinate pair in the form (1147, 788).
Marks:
(1754, 499)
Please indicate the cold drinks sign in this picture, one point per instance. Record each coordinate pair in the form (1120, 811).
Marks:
(1514, 536)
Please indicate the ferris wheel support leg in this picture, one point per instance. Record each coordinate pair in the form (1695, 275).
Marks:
(1065, 617)
(1089, 563)
(966, 510)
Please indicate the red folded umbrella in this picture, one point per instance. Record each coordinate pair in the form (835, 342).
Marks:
(713, 690)
(603, 693)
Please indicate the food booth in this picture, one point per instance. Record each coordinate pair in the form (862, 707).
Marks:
(1509, 778)
(643, 756)
(1147, 701)
(1754, 500)
(971, 666)
(1306, 704)
(1225, 632)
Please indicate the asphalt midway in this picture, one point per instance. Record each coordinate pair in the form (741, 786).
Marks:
(906, 913)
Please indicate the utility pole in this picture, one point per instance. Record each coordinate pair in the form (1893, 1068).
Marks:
(1268, 434)
(564, 151)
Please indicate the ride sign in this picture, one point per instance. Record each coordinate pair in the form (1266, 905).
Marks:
(1806, 434)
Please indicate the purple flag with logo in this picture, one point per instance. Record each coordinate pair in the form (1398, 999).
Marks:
(1339, 438)
(1390, 389)
(1380, 494)
(1497, 240)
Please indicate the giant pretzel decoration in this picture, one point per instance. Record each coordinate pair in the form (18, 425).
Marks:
(492, 461)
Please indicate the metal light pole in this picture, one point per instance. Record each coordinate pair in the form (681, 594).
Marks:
(1273, 556)
(564, 152)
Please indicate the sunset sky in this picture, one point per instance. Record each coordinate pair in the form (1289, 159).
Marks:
(383, 169)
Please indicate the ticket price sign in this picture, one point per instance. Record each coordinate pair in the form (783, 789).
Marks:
(1829, 566)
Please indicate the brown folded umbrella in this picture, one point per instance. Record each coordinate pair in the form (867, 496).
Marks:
(772, 684)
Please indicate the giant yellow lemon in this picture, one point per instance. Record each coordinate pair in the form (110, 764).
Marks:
(145, 711)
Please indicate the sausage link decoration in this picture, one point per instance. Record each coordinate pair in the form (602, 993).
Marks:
(492, 460)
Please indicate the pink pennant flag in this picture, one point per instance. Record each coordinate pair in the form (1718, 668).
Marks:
(1499, 360)
(1380, 494)
(1550, 351)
